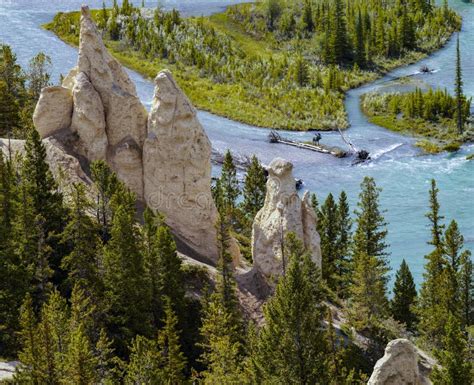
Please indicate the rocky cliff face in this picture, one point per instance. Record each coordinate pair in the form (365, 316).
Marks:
(284, 211)
(164, 158)
(402, 364)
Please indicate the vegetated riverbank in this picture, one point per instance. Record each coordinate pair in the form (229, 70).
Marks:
(430, 115)
(234, 65)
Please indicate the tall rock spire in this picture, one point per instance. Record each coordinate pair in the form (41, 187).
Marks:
(177, 168)
(164, 159)
(283, 212)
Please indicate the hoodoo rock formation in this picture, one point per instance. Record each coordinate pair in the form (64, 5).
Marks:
(401, 364)
(284, 211)
(164, 158)
(176, 167)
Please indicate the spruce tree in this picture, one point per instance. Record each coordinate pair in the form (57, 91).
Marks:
(254, 189)
(370, 234)
(143, 366)
(360, 52)
(82, 235)
(466, 289)
(436, 289)
(328, 230)
(458, 89)
(369, 292)
(454, 358)
(291, 347)
(106, 184)
(173, 361)
(80, 362)
(229, 181)
(9, 112)
(340, 46)
(435, 218)
(404, 297)
(127, 288)
(14, 277)
(344, 237)
(29, 371)
(221, 354)
(46, 199)
(38, 76)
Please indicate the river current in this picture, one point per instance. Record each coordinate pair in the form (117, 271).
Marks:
(398, 167)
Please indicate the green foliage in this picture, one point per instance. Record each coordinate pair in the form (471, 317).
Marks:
(328, 230)
(291, 346)
(447, 287)
(242, 68)
(404, 297)
(369, 298)
(456, 366)
(431, 114)
(229, 182)
(461, 114)
(254, 189)
(126, 284)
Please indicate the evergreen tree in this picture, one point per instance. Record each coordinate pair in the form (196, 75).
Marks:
(456, 366)
(82, 234)
(12, 74)
(404, 297)
(436, 290)
(458, 89)
(46, 200)
(339, 41)
(127, 288)
(254, 189)
(229, 181)
(29, 371)
(308, 16)
(221, 350)
(38, 76)
(360, 52)
(106, 184)
(300, 71)
(466, 289)
(173, 361)
(328, 230)
(80, 362)
(14, 277)
(343, 260)
(9, 112)
(435, 218)
(143, 366)
(291, 347)
(370, 234)
(369, 298)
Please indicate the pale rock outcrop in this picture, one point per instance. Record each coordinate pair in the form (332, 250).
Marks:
(177, 168)
(53, 111)
(283, 212)
(163, 158)
(88, 119)
(65, 168)
(399, 366)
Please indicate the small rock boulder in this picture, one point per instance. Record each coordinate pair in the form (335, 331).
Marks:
(53, 111)
(398, 366)
(283, 212)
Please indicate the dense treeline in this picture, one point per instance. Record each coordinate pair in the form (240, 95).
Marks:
(433, 114)
(94, 291)
(277, 63)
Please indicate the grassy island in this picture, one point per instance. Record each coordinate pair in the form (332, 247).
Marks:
(276, 63)
(429, 115)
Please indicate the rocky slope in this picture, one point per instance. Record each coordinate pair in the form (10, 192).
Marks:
(164, 157)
